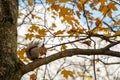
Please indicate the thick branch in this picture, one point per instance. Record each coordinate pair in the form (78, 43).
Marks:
(67, 53)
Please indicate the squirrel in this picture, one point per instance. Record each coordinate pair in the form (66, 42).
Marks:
(34, 51)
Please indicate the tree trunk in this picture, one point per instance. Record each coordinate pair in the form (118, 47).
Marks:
(9, 63)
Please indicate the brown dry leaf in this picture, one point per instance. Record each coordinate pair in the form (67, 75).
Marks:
(67, 73)
(33, 76)
(88, 42)
(98, 22)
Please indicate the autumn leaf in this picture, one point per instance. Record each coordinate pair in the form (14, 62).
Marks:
(102, 1)
(107, 35)
(89, 77)
(85, 76)
(35, 16)
(88, 42)
(117, 33)
(117, 22)
(50, 1)
(55, 7)
(67, 73)
(30, 2)
(98, 22)
(63, 1)
(21, 54)
(42, 32)
(59, 32)
(33, 28)
(29, 36)
(63, 47)
(33, 76)
(20, 14)
(112, 6)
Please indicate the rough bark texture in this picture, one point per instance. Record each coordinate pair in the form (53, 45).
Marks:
(9, 63)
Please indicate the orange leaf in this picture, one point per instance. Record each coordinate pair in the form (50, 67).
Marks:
(55, 7)
(59, 32)
(63, 1)
(50, 1)
(67, 73)
(112, 6)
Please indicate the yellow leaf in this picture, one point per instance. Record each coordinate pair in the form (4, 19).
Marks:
(117, 22)
(29, 36)
(33, 28)
(67, 73)
(21, 54)
(63, 1)
(50, 1)
(59, 32)
(85, 76)
(117, 33)
(89, 78)
(63, 47)
(108, 35)
(20, 14)
(53, 26)
(30, 2)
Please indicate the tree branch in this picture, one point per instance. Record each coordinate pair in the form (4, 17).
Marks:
(67, 53)
(112, 44)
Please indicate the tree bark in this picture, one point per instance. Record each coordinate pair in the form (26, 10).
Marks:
(9, 63)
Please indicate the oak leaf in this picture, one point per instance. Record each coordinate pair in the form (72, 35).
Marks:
(67, 73)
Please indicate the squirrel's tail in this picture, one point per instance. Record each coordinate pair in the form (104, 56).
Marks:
(30, 46)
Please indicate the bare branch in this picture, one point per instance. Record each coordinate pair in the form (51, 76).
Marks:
(112, 44)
